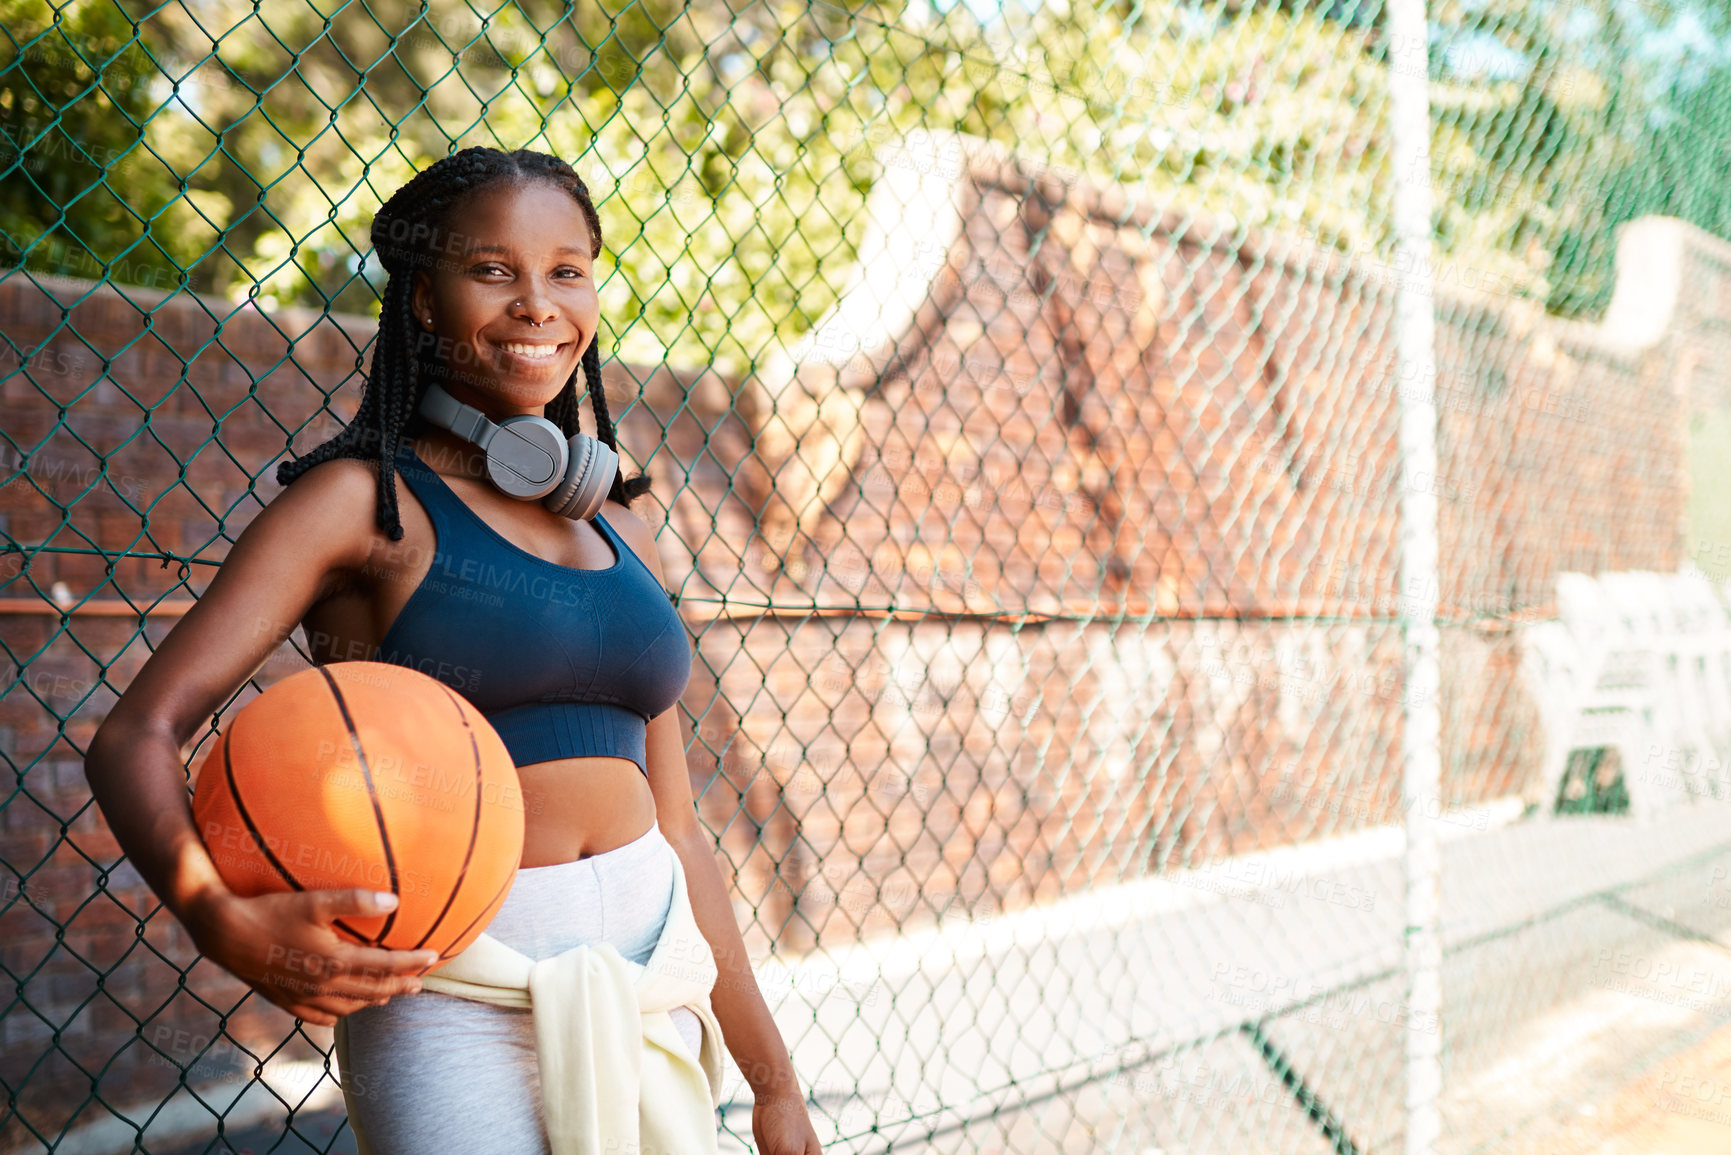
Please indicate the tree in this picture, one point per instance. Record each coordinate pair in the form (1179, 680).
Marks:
(76, 189)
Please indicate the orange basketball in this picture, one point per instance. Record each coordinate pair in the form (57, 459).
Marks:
(367, 774)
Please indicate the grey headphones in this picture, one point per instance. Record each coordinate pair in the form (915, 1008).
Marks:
(528, 457)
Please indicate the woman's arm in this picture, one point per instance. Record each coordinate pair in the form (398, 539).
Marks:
(779, 1117)
(749, 1029)
(280, 566)
(780, 1122)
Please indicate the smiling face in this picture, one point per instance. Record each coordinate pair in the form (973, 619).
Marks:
(513, 255)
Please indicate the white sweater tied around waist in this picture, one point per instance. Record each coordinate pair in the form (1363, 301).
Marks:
(616, 1075)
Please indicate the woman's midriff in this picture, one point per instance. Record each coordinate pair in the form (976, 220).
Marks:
(577, 807)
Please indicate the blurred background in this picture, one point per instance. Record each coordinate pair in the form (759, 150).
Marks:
(1163, 532)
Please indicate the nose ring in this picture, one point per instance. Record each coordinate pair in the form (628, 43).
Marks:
(536, 324)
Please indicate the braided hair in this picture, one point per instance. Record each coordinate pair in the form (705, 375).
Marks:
(405, 234)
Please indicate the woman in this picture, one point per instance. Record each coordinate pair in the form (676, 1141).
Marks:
(492, 295)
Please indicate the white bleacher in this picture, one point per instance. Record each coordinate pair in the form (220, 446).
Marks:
(1640, 662)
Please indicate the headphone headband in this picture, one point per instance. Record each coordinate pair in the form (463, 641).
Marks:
(529, 457)
(465, 421)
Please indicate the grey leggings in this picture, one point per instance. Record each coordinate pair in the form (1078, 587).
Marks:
(434, 1073)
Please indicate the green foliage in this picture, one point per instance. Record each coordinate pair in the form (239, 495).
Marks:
(731, 154)
(76, 89)
(1554, 123)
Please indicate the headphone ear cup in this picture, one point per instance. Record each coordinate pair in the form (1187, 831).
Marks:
(527, 456)
(590, 469)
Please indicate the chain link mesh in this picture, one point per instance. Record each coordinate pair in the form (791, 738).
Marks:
(1019, 386)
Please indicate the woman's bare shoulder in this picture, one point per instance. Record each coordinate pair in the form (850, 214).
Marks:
(307, 543)
(341, 484)
(338, 501)
(636, 533)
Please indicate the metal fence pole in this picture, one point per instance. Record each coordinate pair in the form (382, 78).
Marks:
(1415, 324)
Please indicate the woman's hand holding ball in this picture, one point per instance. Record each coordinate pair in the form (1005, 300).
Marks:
(284, 947)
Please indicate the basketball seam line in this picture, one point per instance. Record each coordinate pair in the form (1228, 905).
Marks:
(508, 880)
(245, 815)
(372, 797)
(252, 827)
(474, 829)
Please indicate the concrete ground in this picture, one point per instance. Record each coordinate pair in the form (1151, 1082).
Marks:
(1257, 1006)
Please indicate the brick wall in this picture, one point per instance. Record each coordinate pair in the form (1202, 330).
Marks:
(141, 382)
(1044, 564)
(170, 376)
(1130, 480)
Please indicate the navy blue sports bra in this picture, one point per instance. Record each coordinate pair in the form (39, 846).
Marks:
(563, 662)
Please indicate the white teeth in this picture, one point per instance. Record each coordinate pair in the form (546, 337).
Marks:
(537, 352)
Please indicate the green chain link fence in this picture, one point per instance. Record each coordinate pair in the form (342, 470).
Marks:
(1023, 393)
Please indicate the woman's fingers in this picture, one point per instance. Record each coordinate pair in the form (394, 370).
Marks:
(311, 1010)
(371, 989)
(339, 994)
(363, 986)
(327, 1009)
(372, 960)
(285, 947)
(333, 1005)
(327, 906)
(373, 974)
(342, 964)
